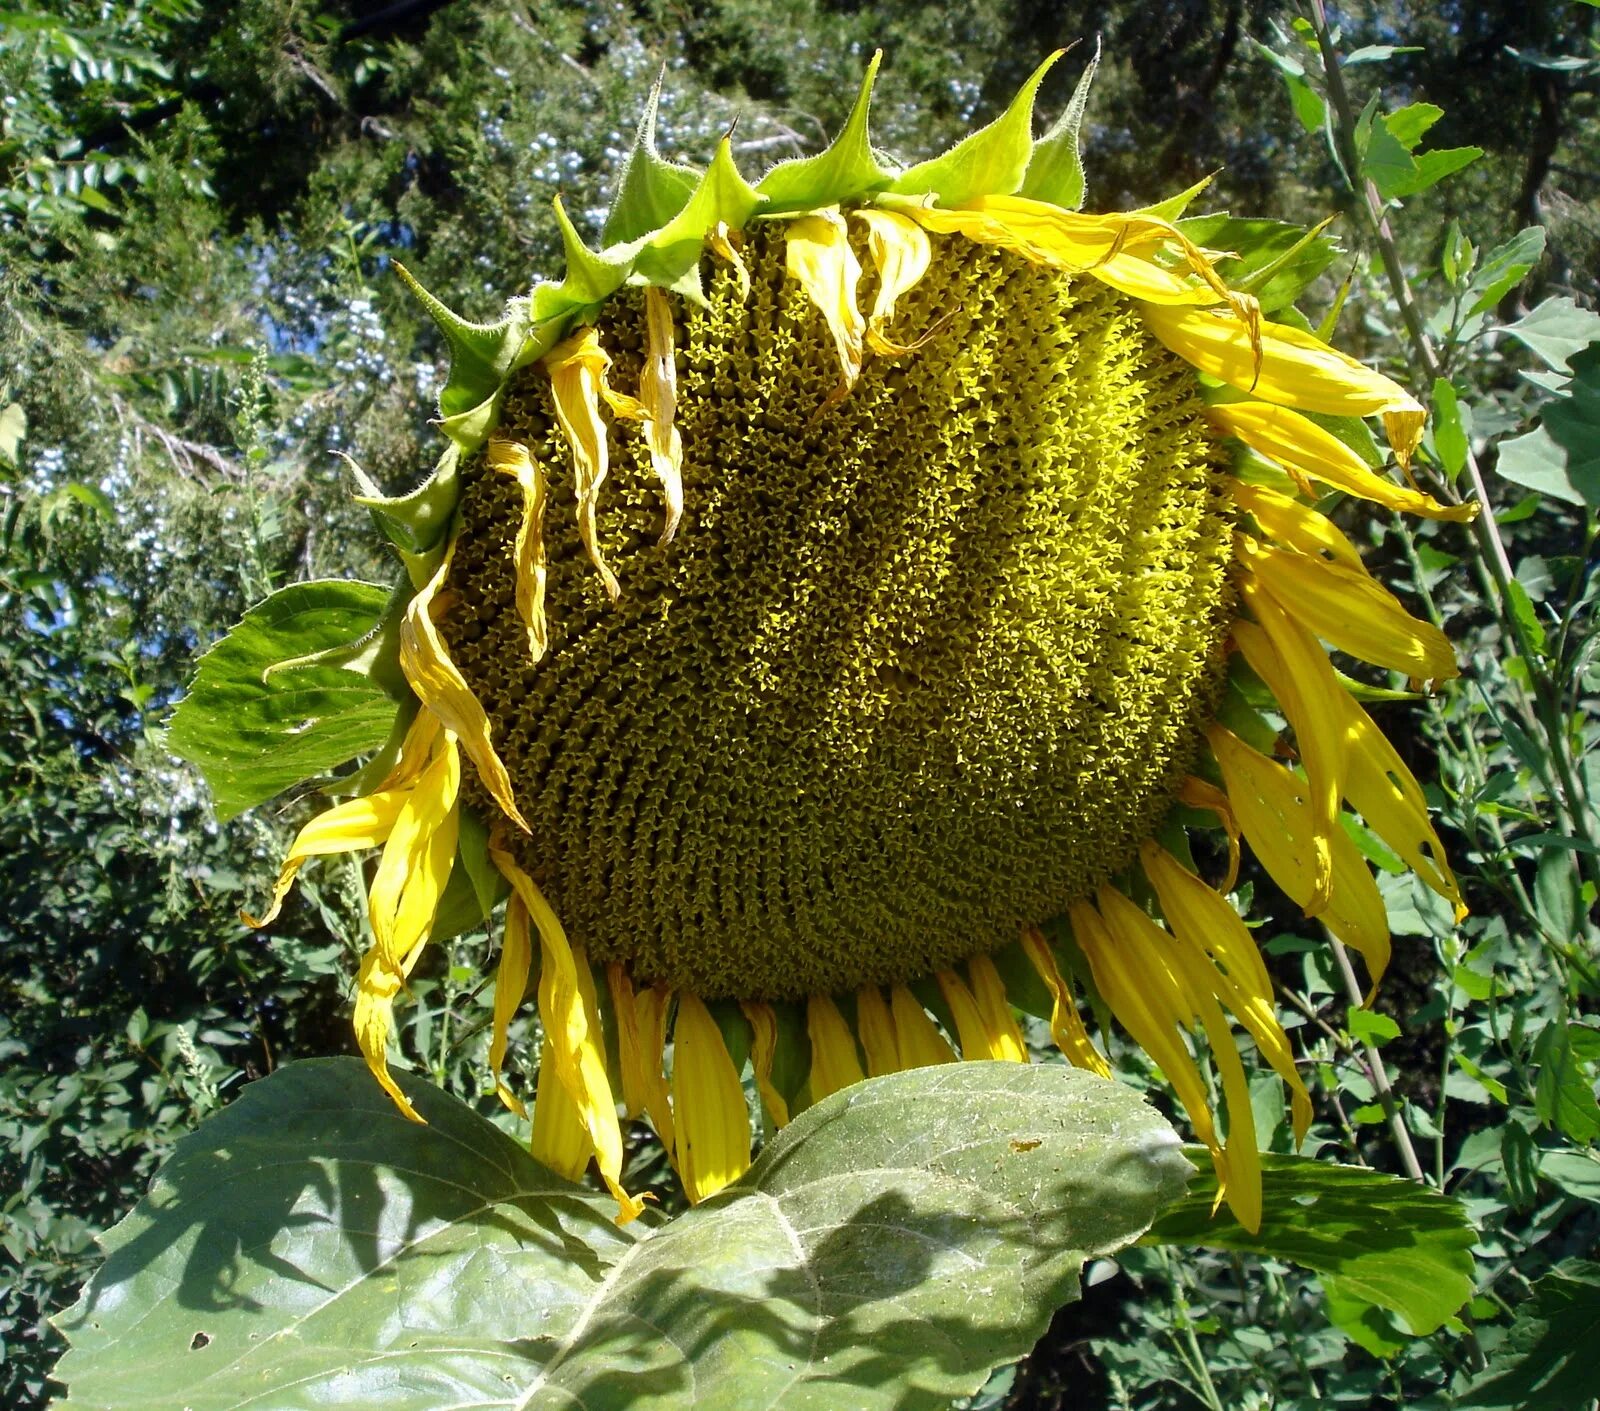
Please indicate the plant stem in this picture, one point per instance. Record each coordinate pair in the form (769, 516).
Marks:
(1380, 1074)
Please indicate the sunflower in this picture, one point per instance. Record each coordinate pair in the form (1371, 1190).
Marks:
(851, 594)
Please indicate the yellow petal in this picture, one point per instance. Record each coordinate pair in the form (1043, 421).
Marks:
(920, 1043)
(1005, 1038)
(658, 391)
(900, 250)
(417, 860)
(763, 1046)
(572, 1042)
(1286, 521)
(443, 690)
(1305, 449)
(1352, 610)
(1273, 809)
(650, 1008)
(348, 827)
(721, 242)
(1352, 756)
(512, 458)
(560, 1140)
(977, 1038)
(834, 1061)
(1198, 793)
(820, 259)
(1199, 916)
(510, 985)
(1237, 1160)
(1137, 983)
(1293, 369)
(376, 988)
(1293, 666)
(630, 1058)
(713, 1121)
(876, 1026)
(1066, 1026)
(577, 369)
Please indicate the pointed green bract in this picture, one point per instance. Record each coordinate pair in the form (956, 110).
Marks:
(849, 168)
(1055, 170)
(591, 277)
(991, 162)
(1175, 206)
(480, 353)
(417, 521)
(653, 190)
(723, 197)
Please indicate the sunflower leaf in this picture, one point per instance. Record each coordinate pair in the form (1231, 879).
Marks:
(849, 168)
(1383, 1240)
(253, 731)
(1546, 1362)
(991, 162)
(309, 1247)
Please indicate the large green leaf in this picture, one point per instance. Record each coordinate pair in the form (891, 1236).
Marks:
(308, 1247)
(1376, 1239)
(1561, 456)
(1547, 1361)
(254, 734)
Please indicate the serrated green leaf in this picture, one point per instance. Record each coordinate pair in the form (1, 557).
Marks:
(847, 169)
(309, 1247)
(1390, 1242)
(1368, 1027)
(1503, 268)
(253, 738)
(1408, 125)
(1561, 456)
(989, 162)
(1564, 1095)
(1557, 329)
(652, 189)
(1546, 1362)
(1055, 166)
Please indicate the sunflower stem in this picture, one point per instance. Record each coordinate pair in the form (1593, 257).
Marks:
(1563, 787)
(1380, 1074)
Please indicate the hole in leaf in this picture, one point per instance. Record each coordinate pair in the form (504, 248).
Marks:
(198, 1341)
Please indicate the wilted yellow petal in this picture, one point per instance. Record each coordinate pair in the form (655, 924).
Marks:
(560, 1140)
(572, 1042)
(510, 985)
(658, 392)
(442, 689)
(376, 988)
(650, 1007)
(876, 1026)
(721, 241)
(901, 251)
(763, 1046)
(835, 1063)
(1199, 793)
(1305, 449)
(1352, 610)
(348, 827)
(417, 860)
(978, 1038)
(512, 458)
(1199, 916)
(713, 1121)
(1066, 1025)
(1273, 809)
(630, 1059)
(920, 1043)
(1286, 521)
(577, 369)
(1293, 369)
(988, 989)
(1192, 975)
(820, 259)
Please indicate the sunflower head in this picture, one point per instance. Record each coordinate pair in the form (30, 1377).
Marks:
(850, 593)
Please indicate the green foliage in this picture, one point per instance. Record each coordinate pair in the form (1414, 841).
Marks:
(1547, 1360)
(899, 1239)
